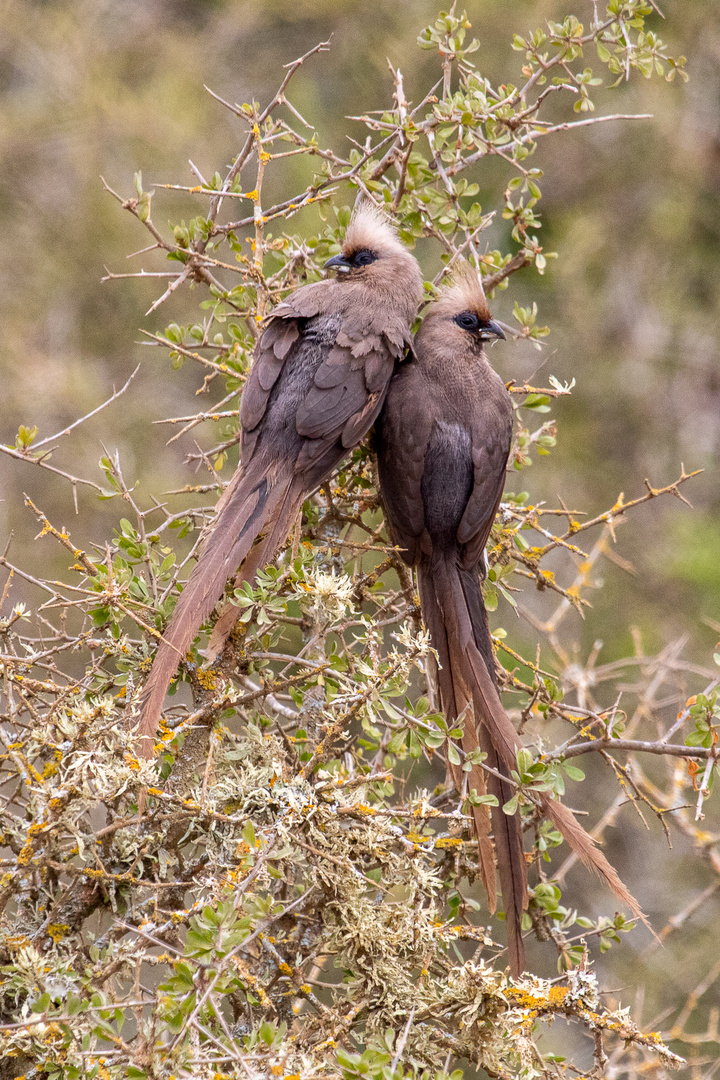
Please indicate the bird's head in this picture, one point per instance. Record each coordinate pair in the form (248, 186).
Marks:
(372, 253)
(461, 313)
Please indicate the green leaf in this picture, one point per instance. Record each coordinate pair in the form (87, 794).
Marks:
(699, 738)
(573, 771)
(399, 741)
(524, 760)
(481, 800)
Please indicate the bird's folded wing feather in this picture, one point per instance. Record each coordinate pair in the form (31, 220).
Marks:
(349, 386)
(274, 345)
(271, 352)
(490, 449)
(349, 389)
(405, 437)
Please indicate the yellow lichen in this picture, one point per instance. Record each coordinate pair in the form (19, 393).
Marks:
(207, 680)
(57, 931)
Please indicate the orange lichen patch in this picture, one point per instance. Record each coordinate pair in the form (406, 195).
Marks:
(57, 931)
(554, 998)
(250, 980)
(19, 941)
(25, 852)
(206, 679)
(448, 841)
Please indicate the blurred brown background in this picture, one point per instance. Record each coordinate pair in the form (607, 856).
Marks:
(91, 87)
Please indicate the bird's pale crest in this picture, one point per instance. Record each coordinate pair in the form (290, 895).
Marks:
(370, 229)
(463, 292)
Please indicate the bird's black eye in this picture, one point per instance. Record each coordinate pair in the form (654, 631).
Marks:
(364, 257)
(468, 320)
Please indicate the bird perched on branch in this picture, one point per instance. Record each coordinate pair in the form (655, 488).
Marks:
(319, 378)
(443, 442)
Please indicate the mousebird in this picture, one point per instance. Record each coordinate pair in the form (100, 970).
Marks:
(443, 441)
(319, 377)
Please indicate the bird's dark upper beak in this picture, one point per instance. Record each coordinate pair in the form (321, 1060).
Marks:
(492, 329)
(338, 262)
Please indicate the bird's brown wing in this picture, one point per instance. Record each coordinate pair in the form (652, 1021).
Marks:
(490, 450)
(347, 394)
(349, 386)
(274, 345)
(403, 438)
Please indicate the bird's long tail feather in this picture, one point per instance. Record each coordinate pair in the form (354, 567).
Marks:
(260, 555)
(581, 842)
(451, 614)
(456, 618)
(250, 500)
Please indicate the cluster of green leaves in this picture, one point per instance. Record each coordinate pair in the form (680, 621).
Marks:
(565, 42)
(705, 712)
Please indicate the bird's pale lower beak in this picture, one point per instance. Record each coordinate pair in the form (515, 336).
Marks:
(338, 262)
(492, 329)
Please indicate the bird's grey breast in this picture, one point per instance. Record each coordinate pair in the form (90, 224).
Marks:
(447, 480)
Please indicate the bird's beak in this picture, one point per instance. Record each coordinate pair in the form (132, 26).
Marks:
(492, 329)
(338, 262)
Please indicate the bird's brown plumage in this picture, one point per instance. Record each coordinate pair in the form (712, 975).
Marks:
(321, 370)
(443, 442)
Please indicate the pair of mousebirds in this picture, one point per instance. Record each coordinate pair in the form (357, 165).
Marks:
(328, 365)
